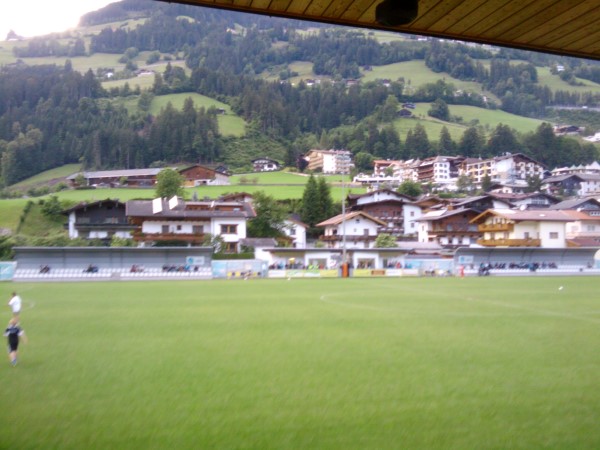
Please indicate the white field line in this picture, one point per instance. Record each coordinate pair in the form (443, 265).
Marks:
(325, 298)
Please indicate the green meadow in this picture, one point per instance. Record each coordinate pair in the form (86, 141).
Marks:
(470, 115)
(420, 363)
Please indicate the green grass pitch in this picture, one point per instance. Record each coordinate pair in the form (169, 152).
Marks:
(423, 363)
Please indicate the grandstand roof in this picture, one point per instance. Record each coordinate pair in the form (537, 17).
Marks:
(552, 26)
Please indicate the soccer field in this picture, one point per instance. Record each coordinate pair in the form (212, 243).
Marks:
(423, 363)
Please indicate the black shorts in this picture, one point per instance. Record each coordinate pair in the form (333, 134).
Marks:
(13, 343)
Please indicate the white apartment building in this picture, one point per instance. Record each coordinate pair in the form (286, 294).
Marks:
(502, 169)
(329, 161)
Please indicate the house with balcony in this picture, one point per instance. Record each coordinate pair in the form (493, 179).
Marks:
(101, 219)
(502, 169)
(450, 228)
(573, 184)
(587, 204)
(439, 170)
(399, 212)
(592, 168)
(481, 203)
(197, 175)
(584, 231)
(522, 228)
(355, 229)
(190, 222)
(531, 200)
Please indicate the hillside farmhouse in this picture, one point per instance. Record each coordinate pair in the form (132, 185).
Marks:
(194, 175)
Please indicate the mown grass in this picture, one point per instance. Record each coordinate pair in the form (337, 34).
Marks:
(491, 118)
(282, 177)
(47, 176)
(229, 123)
(275, 190)
(416, 74)
(546, 78)
(10, 212)
(470, 115)
(327, 364)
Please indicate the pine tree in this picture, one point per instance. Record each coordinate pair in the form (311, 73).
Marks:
(325, 200)
(446, 145)
(471, 143)
(309, 211)
(417, 143)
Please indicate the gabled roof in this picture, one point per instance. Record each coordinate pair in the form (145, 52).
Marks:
(577, 176)
(337, 220)
(516, 197)
(472, 200)
(433, 216)
(295, 218)
(117, 173)
(575, 203)
(184, 210)
(88, 205)
(381, 191)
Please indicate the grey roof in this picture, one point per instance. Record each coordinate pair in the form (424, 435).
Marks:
(117, 173)
(143, 208)
(574, 203)
(448, 213)
(581, 176)
(85, 205)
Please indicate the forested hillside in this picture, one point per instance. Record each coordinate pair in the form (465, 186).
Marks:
(52, 114)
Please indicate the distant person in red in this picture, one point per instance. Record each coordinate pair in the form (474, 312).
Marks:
(14, 333)
(461, 271)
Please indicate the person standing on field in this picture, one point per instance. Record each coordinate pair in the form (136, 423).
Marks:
(14, 333)
(15, 304)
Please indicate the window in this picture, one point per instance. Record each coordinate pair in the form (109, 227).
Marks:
(165, 229)
(178, 227)
(553, 235)
(228, 229)
(230, 247)
(197, 229)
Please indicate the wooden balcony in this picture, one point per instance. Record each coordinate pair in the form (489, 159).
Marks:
(349, 238)
(496, 227)
(510, 242)
(455, 228)
(186, 237)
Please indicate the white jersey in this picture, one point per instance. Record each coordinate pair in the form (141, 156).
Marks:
(15, 304)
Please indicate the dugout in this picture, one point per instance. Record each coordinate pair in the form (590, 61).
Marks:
(111, 257)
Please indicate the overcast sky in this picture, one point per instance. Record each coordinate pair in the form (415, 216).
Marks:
(37, 17)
